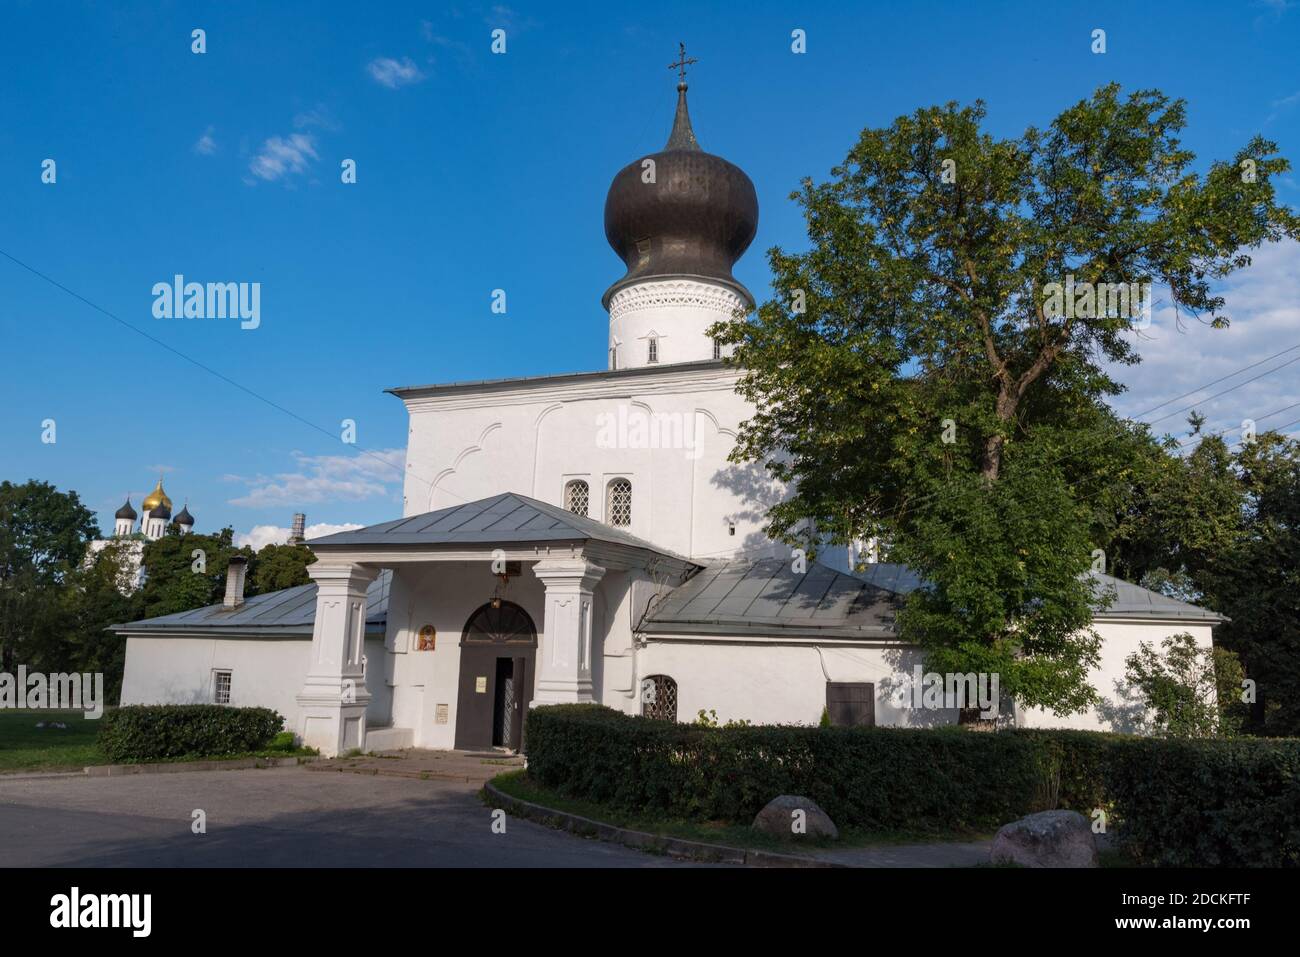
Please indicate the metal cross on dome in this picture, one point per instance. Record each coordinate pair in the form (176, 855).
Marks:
(682, 62)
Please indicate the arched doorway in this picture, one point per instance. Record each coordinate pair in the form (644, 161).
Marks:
(498, 649)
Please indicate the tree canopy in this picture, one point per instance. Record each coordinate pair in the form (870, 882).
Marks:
(932, 370)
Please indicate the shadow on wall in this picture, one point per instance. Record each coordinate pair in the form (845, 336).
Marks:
(751, 485)
(1125, 713)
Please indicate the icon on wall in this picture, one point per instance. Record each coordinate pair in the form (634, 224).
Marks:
(426, 638)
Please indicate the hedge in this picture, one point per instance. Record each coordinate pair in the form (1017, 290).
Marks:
(158, 732)
(1195, 803)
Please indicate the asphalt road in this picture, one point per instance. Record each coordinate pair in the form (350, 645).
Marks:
(284, 817)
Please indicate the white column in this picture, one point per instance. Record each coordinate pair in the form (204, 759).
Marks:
(332, 703)
(564, 655)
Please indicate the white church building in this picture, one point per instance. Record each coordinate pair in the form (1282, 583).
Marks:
(584, 538)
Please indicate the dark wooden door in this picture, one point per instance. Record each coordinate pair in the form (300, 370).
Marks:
(851, 704)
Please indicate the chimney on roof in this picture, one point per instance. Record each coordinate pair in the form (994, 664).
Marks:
(235, 573)
(296, 535)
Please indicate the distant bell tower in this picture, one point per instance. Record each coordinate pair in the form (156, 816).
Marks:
(679, 219)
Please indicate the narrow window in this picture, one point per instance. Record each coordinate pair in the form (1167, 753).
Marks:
(221, 687)
(613, 357)
(717, 349)
(652, 354)
(577, 495)
(618, 503)
(659, 698)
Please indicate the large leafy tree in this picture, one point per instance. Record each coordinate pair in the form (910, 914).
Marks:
(43, 537)
(1255, 582)
(279, 566)
(913, 382)
(187, 571)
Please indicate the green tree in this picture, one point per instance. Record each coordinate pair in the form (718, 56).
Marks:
(279, 566)
(43, 537)
(1256, 583)
(1180, 686)
(74, 636)
(913, 381)
(187, 571)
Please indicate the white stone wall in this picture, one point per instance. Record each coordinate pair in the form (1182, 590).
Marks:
(1118, 710)
(265, 673)
(670, 433)
(786, 683)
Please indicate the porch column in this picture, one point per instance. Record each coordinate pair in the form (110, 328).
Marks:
(332, 703)
(564, 658)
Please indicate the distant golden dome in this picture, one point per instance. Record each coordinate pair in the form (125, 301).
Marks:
(157, 497)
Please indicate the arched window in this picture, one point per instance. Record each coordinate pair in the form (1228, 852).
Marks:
(659, 698)
(577, 496)
(652, 350)
(507, 623)
(618, 503)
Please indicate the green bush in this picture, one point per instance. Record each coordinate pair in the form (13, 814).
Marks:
(159, 732)
(1208, 803)
(1203, 802)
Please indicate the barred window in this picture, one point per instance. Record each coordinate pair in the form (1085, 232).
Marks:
(659, 698)
(618, 503)
(221, 687)
(577, 495)
(717, 349)
(652, 350)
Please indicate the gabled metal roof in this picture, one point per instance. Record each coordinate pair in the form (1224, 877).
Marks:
(767, 598)
(506, 519)
(1134, 601)
(289, 612)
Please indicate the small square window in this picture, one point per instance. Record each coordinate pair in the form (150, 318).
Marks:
(221, 687)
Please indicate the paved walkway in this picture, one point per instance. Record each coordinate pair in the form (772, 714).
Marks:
(278, 817)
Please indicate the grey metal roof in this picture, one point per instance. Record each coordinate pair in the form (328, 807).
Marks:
(506, 519)
(289, 612)
(768, 598)
(470, 385)
(1134, 601)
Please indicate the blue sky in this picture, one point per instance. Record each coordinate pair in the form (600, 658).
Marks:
(476, 172)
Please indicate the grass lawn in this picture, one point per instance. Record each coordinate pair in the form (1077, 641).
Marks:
(519, 785)
(25, 747)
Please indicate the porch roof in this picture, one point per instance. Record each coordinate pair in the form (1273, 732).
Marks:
(506, 519)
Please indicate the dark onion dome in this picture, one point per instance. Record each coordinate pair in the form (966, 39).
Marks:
(184, 517)
(126, 511)
(162, 510)
(695, 220)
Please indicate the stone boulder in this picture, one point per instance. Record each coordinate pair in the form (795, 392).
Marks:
(1046, 839)
(778, 819)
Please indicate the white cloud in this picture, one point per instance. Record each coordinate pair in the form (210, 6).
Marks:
(326, 478)
(206, 145)
(259, 536)
(1263, 302)
(280, 157)
(394, 73)
(320, 116)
